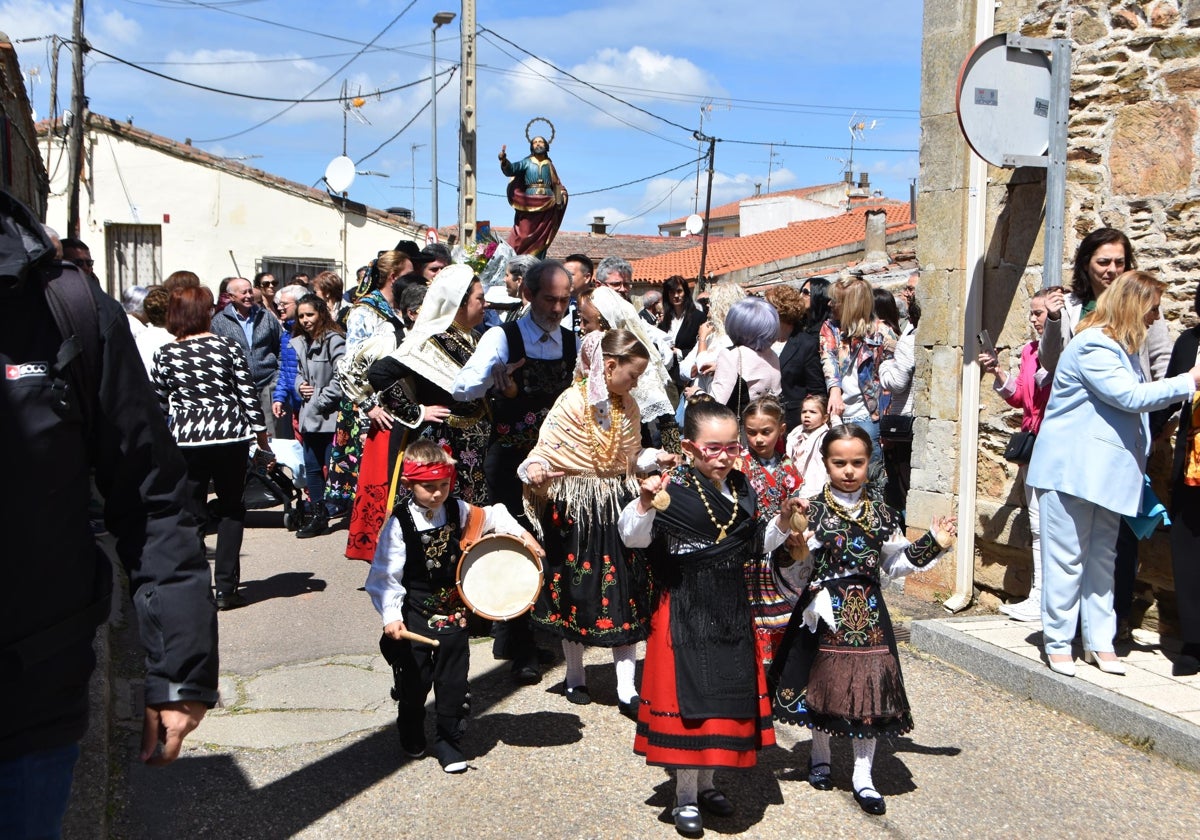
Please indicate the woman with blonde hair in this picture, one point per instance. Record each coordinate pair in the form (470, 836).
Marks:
(1088, 467)
(853, 345)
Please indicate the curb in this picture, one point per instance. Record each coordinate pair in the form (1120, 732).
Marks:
(1127, 719)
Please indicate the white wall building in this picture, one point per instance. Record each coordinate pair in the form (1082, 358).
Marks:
(150, 206)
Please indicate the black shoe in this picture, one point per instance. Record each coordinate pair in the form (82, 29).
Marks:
(630, 709)
(578, 695)
(818, 776)
(688, 821)
(314, 527)
(716, 803)
(870, 801)
(449, 756)
(230, 601)
(1188, 662)
(412, 744)
(526, 675)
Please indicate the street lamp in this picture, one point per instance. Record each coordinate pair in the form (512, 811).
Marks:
(439, 20)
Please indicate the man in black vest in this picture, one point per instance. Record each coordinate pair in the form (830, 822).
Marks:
(525, 365)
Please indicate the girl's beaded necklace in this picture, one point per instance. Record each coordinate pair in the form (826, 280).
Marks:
(722, 530)
(864, 516)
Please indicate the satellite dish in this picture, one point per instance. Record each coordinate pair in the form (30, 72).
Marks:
(1003, 100)
(694, 224)
(339, 174)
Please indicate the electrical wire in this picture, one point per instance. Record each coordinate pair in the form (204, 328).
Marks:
(593, 105)
(602, 189)
(252, 96)
(330, 78)
(410, 122)
(654, 206)
(809, 146)
(588, 84)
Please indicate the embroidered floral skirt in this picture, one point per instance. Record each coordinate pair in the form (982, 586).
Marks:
(370, 509)
(468, 446)
(595, 590)
(846, 679)
(344, 456)
(667, 739)
(768, 605)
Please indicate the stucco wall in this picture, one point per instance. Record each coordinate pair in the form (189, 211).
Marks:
(211, 212)
(1131, 165)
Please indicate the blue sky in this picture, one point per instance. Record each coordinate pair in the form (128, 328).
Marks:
(782, 71)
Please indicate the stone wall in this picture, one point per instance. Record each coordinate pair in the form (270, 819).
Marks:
(1132, 165)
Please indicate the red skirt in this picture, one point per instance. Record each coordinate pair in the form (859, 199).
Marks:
(668, 739)
(370, 508)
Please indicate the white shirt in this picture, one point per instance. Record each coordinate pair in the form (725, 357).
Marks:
(637, 529)
(479, 373)
(387, 569)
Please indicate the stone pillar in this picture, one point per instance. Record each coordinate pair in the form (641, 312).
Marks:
(876, 239)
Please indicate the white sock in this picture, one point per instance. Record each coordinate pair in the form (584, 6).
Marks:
(685, 786)
(864, 757)
(625, 660)
(573, 653)
(820, 747)
(704, 779)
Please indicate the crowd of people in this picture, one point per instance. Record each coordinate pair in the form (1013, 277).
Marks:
(721, 480)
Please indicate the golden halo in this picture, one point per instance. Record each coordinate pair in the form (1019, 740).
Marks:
(529, 125)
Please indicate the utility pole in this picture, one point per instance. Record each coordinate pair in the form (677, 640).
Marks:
(75, 138)
(467, 175)
(712, 153)
(55, 45)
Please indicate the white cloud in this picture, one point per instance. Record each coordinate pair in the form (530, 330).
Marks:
(639, 75)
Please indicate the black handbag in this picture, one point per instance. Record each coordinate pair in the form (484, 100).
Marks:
(896, 428)
(1020, 447)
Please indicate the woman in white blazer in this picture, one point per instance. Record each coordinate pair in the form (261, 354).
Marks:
(1088, 467)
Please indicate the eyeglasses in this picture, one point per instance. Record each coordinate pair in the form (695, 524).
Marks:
(617, 284)
(713, 450)
(805, 292)
(83, 263)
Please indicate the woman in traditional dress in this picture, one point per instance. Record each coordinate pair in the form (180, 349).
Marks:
(373, 322)
(704, 699)
(414, 383)
(837, 670)
(580, 475)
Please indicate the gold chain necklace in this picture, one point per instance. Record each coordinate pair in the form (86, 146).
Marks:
(864, 517)
(721, 529)
(461, 337)
(606, 448)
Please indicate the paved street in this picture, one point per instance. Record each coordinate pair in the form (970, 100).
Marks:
(304, 747)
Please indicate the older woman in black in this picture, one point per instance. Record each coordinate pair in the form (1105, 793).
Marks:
(203, 383)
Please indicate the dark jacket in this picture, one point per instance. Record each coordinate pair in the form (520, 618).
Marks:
(52, 570)
(263, 352)
(800, 373)
(1183, 358)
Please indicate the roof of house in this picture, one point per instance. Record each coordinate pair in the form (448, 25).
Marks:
(798, 238)
(732, 209)
(186, 151)
(597, 246)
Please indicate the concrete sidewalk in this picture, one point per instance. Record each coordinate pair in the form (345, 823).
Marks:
(1149, 707)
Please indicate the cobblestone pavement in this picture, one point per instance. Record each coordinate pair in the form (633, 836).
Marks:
(304, 747)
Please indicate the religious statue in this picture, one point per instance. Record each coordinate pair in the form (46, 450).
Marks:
(535, 194)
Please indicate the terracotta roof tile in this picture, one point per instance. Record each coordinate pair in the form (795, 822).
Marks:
(798, 238)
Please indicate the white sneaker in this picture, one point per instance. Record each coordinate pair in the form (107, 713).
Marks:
(1029, 610)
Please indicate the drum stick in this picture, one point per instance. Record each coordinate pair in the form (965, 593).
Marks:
(417, 637)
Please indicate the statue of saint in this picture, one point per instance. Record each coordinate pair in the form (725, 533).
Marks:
(536, 195)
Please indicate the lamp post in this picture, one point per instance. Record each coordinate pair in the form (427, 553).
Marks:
(439, 20)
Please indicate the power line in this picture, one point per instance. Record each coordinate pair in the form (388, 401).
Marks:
(255, 97)
(332, 76)
(602, 189)
(410, 122)
(808, 146)
(621, 120)
(588, 84)
(656, 204)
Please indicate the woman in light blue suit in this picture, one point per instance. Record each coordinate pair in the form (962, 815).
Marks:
(1089, 463)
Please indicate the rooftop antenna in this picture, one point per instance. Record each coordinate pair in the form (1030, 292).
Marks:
(772, 156)
(858, 131)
